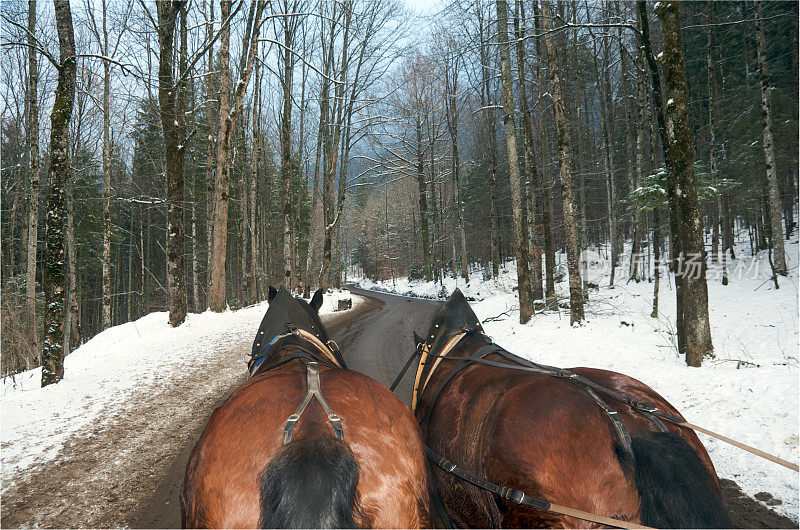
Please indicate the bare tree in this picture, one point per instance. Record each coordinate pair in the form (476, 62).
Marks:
(520, 228)
(681, 159)
(776, 216)
(565, 170)
(33, 168)
(53, 348)
(229, 112)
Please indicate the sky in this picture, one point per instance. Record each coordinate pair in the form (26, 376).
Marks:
(424, 7)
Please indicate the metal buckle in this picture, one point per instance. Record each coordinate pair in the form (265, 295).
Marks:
(515, 496)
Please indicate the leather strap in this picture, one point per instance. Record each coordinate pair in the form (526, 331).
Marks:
(416, 353)
(522, 498)
(312, 381)
(423, 360)
(257, 366)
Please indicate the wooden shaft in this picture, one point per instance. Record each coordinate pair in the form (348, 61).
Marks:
(740, 445)
(586, 516)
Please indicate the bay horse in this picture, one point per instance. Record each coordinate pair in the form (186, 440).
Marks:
(305, 443)
(538, 430)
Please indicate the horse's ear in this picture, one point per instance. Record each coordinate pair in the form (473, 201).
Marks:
(417, 339)
(316, 300)
(272, 292)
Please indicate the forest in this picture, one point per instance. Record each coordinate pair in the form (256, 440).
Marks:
(181, 156)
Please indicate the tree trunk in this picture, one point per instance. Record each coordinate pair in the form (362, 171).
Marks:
(565, 172)
(33, 181)
(637, 270)
(718, 215)
(451, 78)
(520, 228)
(228, 114)
(530, 160)
(286, 152)
(778, 254)
(254, 255)
(656, 261)
(216, 293)
(105, 321)
(210, 150)
(695, 306)
(544, 179)
(674, 214)
(72, 312)
(423, 204)
(487, 102)
(53, 348)
(173, 119)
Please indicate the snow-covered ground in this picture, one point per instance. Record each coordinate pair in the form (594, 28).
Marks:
(754, 401)
(103, 375)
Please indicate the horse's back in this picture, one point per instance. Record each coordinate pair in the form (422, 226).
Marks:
(545, 436)
(245, 433)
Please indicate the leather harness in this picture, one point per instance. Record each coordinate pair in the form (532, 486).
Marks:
(585, 385)
(324, 355)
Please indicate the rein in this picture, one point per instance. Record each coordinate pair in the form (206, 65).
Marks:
(522, 498)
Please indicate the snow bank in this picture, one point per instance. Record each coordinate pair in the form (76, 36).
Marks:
(748, 392)
(106, 371)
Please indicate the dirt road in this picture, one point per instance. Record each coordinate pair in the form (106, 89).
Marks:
(129, 472)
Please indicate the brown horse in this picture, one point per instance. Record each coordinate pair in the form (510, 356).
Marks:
(547, 436)
(351, 455)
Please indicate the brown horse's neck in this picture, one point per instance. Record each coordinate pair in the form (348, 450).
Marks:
(434, 371)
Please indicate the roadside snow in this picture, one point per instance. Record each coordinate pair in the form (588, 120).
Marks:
(104, 373)
(754, 401)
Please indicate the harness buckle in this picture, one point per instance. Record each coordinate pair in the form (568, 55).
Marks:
(515, 496)
(566, 374)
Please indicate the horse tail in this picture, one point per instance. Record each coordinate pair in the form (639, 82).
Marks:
(310, 483)
(675, 489)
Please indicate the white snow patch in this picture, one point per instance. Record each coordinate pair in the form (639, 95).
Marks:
(106, 371)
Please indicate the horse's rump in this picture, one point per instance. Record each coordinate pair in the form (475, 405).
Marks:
(240, 464)
(545, 436)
